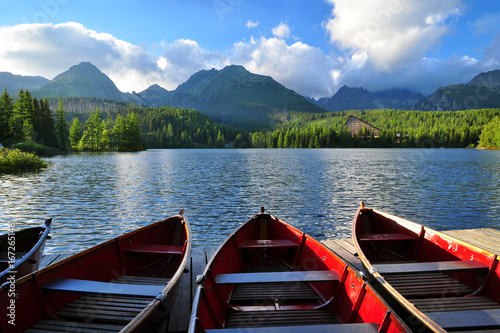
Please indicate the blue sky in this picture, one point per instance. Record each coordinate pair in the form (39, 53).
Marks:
(312, 47)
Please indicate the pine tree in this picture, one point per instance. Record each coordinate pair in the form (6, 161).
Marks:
(6, 111)
(75, 133)
(120, 131)
(62, 128)
(47, 130)
(93, 131)
(133, 140)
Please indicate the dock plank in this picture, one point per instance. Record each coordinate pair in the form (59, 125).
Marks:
(181, 311)
(52, 258)
(345, 250)
(484, 238)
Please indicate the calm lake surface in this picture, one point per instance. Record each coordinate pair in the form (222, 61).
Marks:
(93, 197)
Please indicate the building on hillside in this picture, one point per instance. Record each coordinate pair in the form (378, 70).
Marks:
(356, 125)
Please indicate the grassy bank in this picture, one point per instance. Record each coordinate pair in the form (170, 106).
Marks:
(14, 160)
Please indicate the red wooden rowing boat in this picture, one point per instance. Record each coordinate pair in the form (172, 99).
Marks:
(441, 283)
(126, 284)
(270, 277)
(21, 251)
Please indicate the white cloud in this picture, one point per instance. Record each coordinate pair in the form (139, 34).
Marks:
(48, 50)
(423, 76)
(393, 55)
(183, 58)
(251, 24)
(392, 33)
(281, 31)
(298, 66)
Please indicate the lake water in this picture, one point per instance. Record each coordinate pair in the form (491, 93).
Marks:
(93, 197)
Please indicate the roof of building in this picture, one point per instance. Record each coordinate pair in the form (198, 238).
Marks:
(364, 122)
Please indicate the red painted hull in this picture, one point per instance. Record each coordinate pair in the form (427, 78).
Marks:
(262, 273)
(432, 276)
(158, 252)
(27, 246)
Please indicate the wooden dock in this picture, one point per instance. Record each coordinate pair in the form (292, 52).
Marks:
(485, 238)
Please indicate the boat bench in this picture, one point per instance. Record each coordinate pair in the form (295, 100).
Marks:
(466, 319)
(155, 248)
(428, 267)
(344, 328)
(265, 243)
(269, 277)
(98, 287)
(387, 237)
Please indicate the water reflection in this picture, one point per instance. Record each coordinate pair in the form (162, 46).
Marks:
(94, 197)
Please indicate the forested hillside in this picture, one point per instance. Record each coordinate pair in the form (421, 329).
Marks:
(130, 127)
(398, 129)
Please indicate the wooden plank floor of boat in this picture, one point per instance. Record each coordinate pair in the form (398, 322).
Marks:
(100, 312)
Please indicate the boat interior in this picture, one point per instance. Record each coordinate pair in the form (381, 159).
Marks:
(103, 289)
(268, 275)
(450, 282)
(25, 240)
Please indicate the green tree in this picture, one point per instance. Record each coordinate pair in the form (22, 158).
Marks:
(75, 133)
(62, 128)
(46, 129)
(490, 136)
(6, 111)
(280, 140)
(220, 142)
(93, 131)
(107, 133)
(120, 131)
(133, 133)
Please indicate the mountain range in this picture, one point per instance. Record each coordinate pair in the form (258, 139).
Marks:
(82, 80)
(348, 98)
(233, 96)
(239, 98)
(483, 91)
(14, 83)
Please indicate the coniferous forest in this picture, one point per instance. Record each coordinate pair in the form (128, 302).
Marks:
(128, 127)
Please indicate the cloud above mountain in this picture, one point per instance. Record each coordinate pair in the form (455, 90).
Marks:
(384, 46)
(390, 33)
(47, 50)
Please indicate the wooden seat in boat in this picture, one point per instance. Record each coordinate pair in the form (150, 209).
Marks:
(435, 266)
(466, 319)
(344, 328)
(267, 243)
(155, 248)
(387, 237)
(269, 277)
(120, 288)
